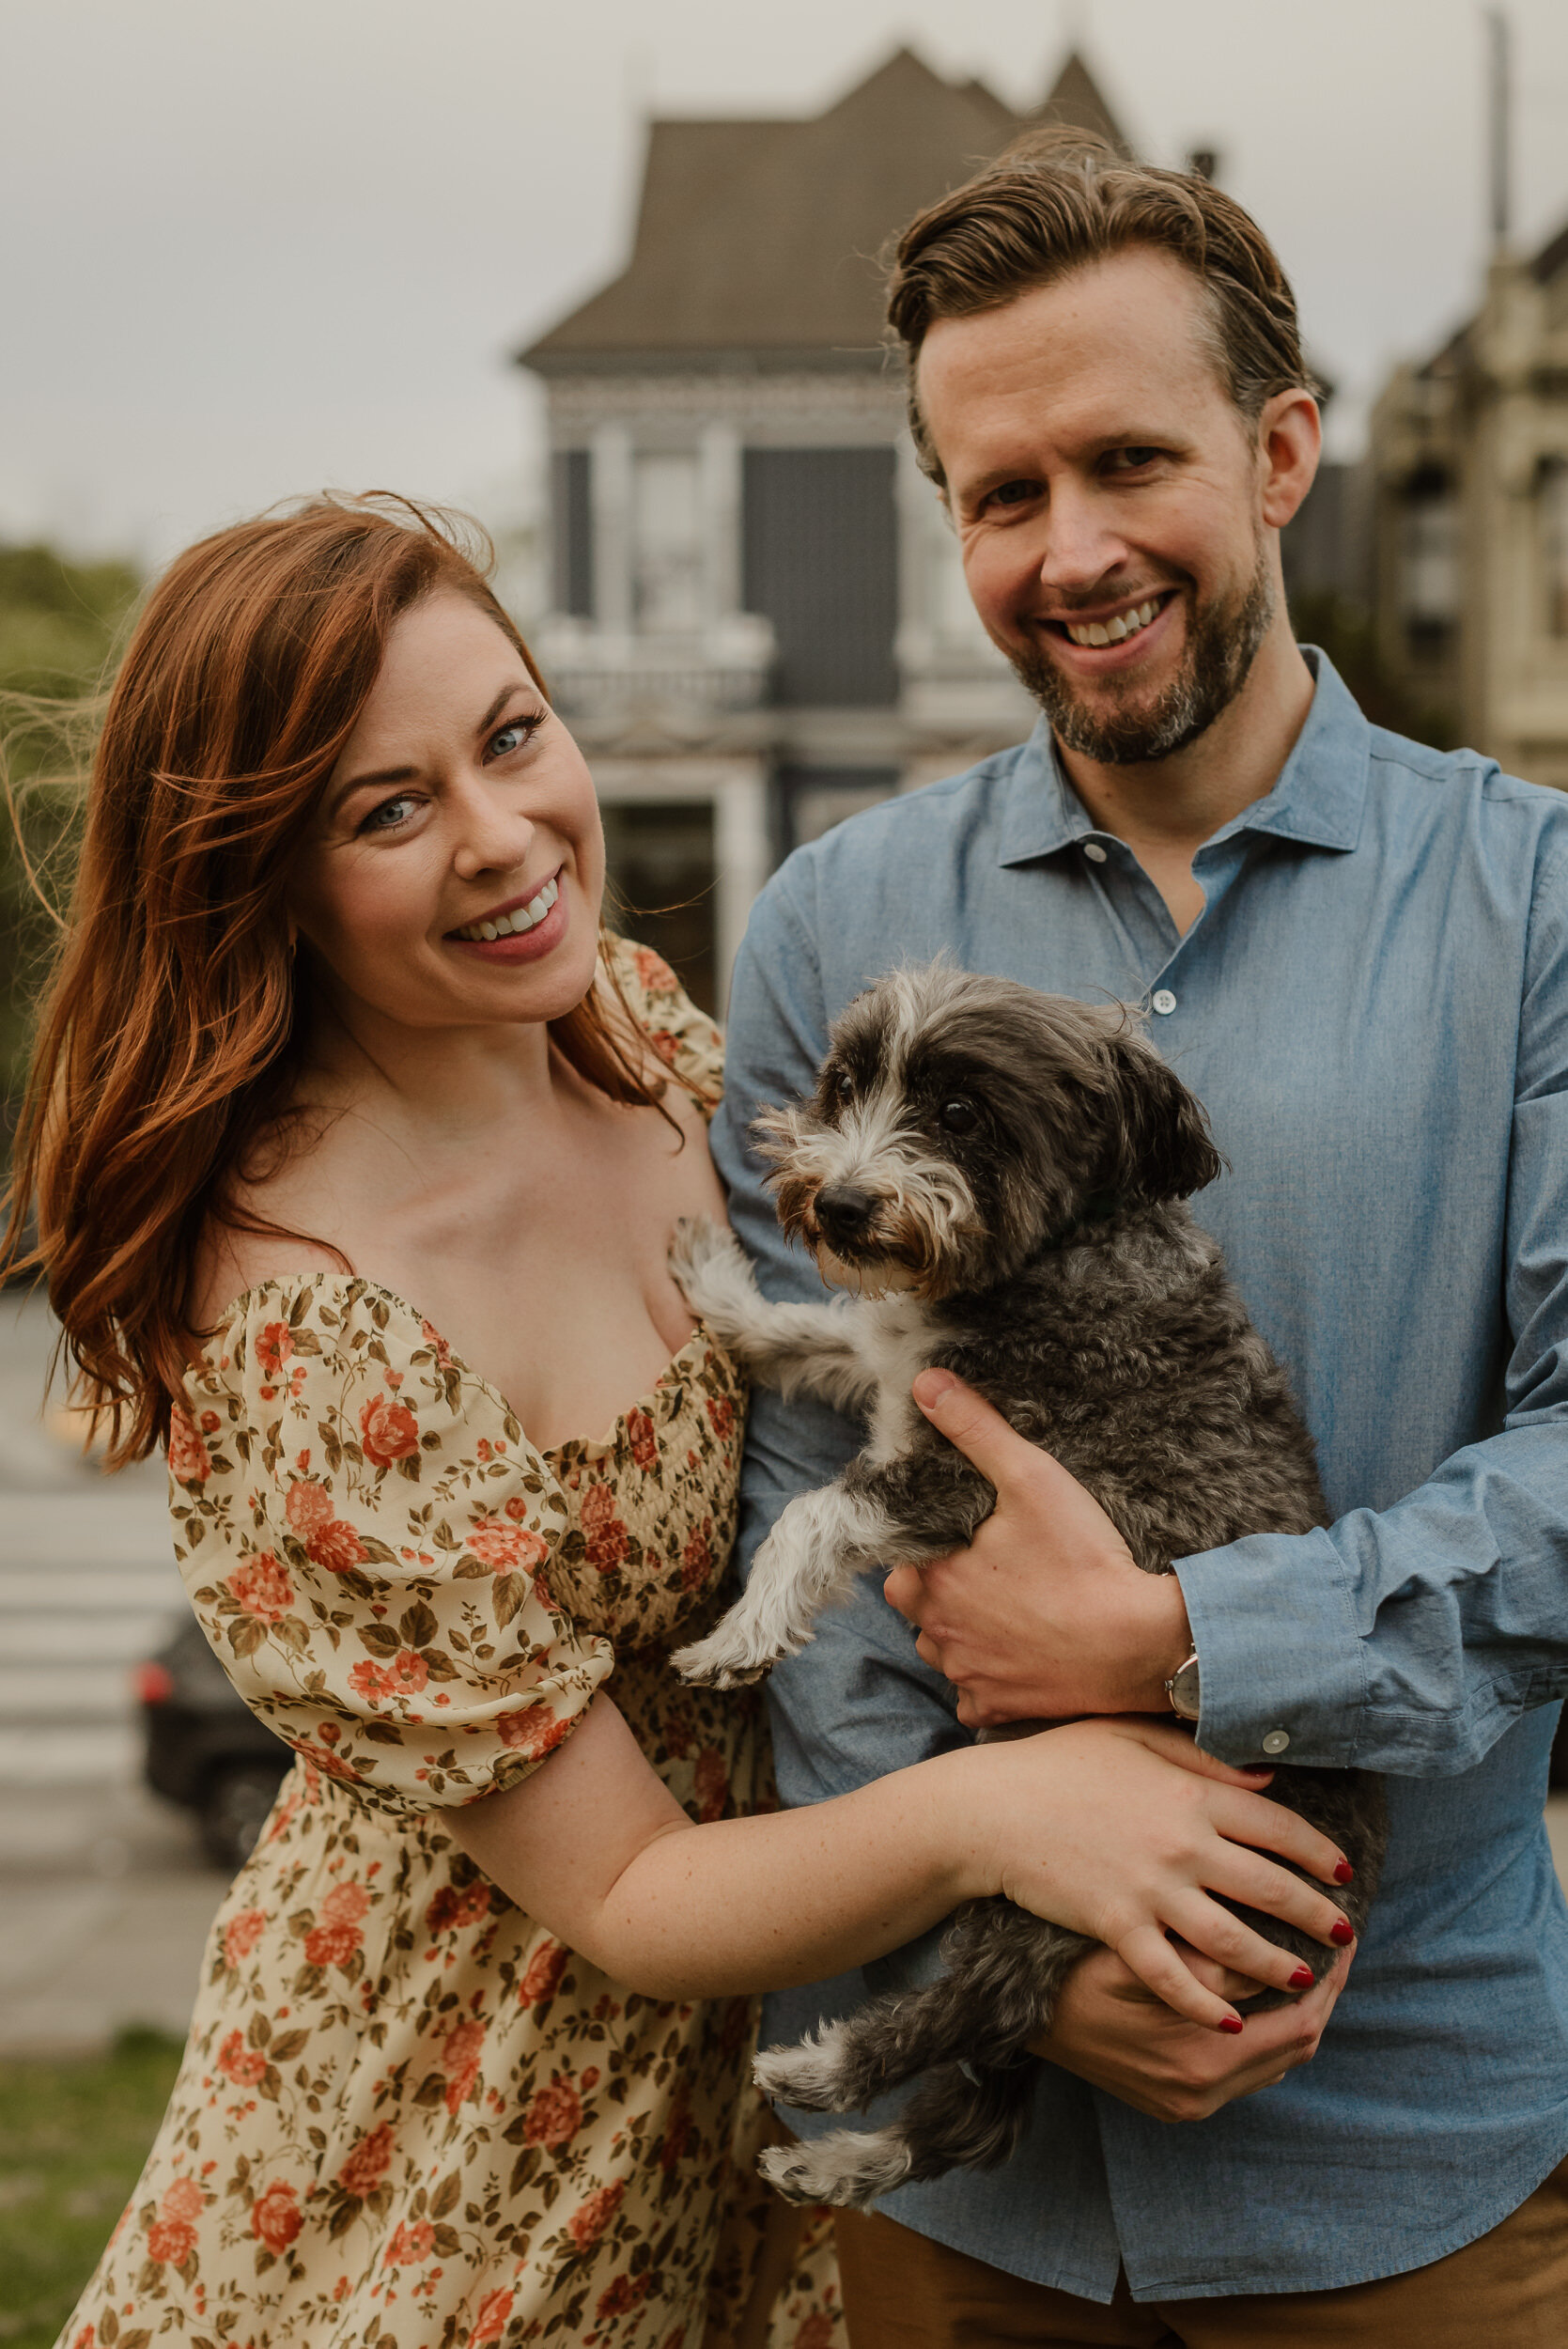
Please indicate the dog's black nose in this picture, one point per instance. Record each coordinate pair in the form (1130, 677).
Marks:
(843, 1211)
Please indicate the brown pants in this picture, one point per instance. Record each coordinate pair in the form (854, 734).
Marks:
(901, 2291)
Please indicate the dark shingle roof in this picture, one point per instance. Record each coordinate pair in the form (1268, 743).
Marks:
(756, 240)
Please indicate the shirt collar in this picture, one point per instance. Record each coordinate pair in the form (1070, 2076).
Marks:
(1319, 799)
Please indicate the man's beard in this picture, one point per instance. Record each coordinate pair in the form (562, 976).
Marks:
(1220, 650)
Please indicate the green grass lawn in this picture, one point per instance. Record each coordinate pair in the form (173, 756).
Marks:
(74, 2138)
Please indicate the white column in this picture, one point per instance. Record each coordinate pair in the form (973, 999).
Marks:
(721, 517)
(611, 498)
(741, 854)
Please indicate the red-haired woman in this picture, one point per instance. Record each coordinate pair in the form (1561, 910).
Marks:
(355, 1147)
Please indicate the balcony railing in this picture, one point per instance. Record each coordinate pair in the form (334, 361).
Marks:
(621, 673)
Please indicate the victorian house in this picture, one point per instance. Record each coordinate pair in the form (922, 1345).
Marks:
(759, 619)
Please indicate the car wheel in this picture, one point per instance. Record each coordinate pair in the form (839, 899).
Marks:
(234, 1809)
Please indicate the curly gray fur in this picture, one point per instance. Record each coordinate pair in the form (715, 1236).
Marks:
(1045, 1253)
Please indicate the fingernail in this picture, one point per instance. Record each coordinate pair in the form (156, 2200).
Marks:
(1257, 1769)
(1302, 1979)
(1344, 1872)
(1230, 2022)
(930, 1387)
(1343, 1932)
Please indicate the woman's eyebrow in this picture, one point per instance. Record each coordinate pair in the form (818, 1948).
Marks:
(410, 774)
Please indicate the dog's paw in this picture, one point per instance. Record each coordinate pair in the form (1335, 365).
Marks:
(724, 1661)
(848, 2169)
(710, 1270)
(810, 2074)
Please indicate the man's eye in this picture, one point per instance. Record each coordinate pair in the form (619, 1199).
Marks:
(958, 1114)
(513, 734)
(1015, 492)
(389, 813)
(1132, 460)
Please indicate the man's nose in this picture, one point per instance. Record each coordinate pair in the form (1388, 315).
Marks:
(1082, 542)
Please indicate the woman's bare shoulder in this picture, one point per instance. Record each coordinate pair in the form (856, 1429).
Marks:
(233, 1261)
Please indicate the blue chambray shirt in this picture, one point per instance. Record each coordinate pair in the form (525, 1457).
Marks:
(1373, 1008)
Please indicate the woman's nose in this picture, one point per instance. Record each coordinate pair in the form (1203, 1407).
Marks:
(493, 832)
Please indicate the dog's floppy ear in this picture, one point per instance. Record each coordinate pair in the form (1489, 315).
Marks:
(1159, 1141)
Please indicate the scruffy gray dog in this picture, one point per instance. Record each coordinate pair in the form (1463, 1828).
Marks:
(998, 1178)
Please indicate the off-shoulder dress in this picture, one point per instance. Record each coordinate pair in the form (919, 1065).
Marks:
(407, 2116)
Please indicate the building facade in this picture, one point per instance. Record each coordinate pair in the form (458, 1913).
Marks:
(759, 617)
(1468, 466)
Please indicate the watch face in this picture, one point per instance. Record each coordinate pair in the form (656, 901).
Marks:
(1184, 1690)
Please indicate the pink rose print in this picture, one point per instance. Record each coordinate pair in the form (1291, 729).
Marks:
(506, 1548)
(261, 1587)
(605, 1536)
(388, 1431)
(272, 1348)
(588, 2223)
(336, 1936)
(654, 972)
(535, 1732)
(713, 1786)
(241, 1934)
(210, 1422)
(410, 2244)
(490, 2322)
(815, 2333)
(336, 1546)
(172, 2235)
(275, 2219)
(453, 1909)
(542, 1977)
(555, 2114)
(369, 2162)
(624, 2294)
(187, 1460)
(434, 1338)
(721, 1410)
(644, 1442)
(403, 1677)
(696, 1558)
(239, 2063)
(461, 2051)
(307, 1507)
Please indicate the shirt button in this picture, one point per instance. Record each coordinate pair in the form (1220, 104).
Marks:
(1276, 1741)
(1164, 1000)
(1093, 851)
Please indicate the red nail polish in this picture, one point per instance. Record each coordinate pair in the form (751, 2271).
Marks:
(1344, 1872)
(1230, 2022)
(1302, 1979)
(1343, 1932)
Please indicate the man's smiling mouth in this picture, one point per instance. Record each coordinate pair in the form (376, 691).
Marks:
(1129, 621)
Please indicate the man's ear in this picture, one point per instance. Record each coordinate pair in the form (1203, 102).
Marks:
(1159, 1143)
(1290, 443)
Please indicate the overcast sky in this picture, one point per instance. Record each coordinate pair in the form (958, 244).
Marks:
(249, 251)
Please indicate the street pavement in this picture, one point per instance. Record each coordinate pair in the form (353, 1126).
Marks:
(105, 1898)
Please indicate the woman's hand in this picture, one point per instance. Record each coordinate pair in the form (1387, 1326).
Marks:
(1122, 1831)
(1111, 2031)
(1045, 1615)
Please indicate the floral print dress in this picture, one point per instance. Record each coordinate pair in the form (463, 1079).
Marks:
(407, 2116)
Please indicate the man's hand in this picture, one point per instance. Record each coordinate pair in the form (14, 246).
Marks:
(1045, 1616)
(1117, 2036)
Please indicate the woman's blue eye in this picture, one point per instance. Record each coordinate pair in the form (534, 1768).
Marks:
(513, 736)
(389, 813)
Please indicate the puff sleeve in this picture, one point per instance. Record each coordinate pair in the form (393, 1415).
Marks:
(366, 1538)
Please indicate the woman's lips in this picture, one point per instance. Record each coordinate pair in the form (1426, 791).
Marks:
(522, 946)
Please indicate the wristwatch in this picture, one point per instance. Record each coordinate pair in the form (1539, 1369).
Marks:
(1181, 1689)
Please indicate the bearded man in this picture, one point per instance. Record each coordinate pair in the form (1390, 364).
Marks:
(1354, 951)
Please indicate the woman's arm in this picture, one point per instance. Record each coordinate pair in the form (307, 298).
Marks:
(1119, 1829)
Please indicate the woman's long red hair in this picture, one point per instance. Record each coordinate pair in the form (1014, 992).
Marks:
(171, 1027)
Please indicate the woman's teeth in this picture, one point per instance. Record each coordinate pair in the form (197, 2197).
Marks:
(1114, 631)
(513, 924)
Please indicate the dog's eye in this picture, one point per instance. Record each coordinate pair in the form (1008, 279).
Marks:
(841, 1088)
(958, 1114)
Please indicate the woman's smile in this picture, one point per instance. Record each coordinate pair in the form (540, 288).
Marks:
(522, 930)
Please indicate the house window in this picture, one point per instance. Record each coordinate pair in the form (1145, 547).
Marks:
(1554, 544)
(667, 540)
(572, 532)
(810, 800)
(660, 868)
(820, 560)
(1429, 575)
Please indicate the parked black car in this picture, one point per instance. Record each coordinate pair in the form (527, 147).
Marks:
(205, 1747)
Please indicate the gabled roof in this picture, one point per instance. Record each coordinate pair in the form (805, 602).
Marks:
(756, 240)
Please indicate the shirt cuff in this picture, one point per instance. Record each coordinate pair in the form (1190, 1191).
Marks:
(1281, 1673)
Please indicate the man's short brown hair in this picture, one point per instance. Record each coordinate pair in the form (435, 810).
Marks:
(1057, 200)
